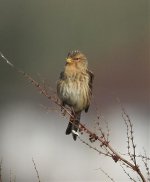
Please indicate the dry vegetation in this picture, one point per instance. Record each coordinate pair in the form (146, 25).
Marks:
(129, 162)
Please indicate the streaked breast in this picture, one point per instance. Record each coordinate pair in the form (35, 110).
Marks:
(74, 91)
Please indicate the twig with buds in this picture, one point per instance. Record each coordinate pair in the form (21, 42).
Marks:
(37, 173)
(1, 170)
(106, 174)
(92, 136)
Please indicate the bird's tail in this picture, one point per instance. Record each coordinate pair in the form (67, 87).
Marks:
(73, 125)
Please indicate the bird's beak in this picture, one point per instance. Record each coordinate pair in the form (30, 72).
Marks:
(68, 60)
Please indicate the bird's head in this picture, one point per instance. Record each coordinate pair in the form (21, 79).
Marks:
(76, 58)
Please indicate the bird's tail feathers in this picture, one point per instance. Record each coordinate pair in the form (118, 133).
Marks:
(69, 128)
(73, 125)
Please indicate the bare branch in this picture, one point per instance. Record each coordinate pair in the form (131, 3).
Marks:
(6, 60)
(132, 179)
(106, 174)
(145, 161)
(1, 170)
(37, 173)
(92, 135)
(94, 148)
(130, 136)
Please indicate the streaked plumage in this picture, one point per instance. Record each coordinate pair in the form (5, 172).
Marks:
(74, 87)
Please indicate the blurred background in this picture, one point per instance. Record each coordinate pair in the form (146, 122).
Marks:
(36, 36)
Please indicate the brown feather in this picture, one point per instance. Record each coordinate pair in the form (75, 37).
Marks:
(74, 87)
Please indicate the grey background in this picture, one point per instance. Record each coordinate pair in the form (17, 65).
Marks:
(36, 36)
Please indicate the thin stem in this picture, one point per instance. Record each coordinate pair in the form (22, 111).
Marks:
(1, 170)
(115, 156)
(37, 173)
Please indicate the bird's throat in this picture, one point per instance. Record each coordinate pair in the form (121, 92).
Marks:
(70, 69)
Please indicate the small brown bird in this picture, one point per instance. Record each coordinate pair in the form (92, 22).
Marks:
(74, 88)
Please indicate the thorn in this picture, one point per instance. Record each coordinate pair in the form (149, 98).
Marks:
(5, 59)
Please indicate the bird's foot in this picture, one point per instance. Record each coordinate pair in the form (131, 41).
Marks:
(75, 133)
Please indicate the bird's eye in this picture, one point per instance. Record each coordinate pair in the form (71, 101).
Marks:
(76, 59)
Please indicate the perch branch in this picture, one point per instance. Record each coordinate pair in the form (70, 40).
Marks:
(115, 155)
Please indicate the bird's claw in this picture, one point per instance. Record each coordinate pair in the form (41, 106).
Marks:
(74, 132)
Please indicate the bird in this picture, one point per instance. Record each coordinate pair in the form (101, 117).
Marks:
(74, 88)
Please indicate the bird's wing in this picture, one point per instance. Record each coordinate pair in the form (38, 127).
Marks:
(61, 77)
(91, 76)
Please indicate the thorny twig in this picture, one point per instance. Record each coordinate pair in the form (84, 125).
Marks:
(127, 174)
(1, 170)
(37, 173)
(103, 141)
(145, 161)
(101, 118)
(130, 137)
(106, 174)
(94, 148)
